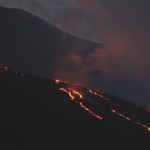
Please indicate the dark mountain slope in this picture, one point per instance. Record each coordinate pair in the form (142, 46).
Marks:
(32, 45)
(38, 113)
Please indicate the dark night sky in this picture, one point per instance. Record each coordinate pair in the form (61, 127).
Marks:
(122, 66)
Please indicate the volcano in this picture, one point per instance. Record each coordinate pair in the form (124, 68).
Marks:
(31, 45)
(41, 113)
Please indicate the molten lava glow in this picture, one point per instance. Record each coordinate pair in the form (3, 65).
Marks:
(4, 68)
(57, 81)
(99, 95)
(87, 109)
(77, 93)
(60, 81)
(143, 108)
(77, 97)
(129, 119)
(69, 93)
(72, 94)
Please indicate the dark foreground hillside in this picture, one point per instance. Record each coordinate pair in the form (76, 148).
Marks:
(45, 114)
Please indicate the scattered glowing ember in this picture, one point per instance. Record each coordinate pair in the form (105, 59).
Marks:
(5, 68)
(18, 73)
(143, 108)
(99, 95)
(129, 119)
(87, 109)
(100, 91)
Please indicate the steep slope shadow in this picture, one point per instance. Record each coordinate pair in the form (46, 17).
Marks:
(34, 46)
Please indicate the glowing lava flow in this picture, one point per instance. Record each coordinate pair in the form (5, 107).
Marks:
(77, 93)
(87, 109)
(72, 94)
(99, 95)
(143, 108)
(60, 81)
(57, 81)
(129, 119)
(69, 93)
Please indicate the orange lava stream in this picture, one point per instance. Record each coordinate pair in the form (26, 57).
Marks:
(87, 109)
(72, 94)
(60, 81)
(99, 95)
(77, 93)
(129, 119)
(57, 81)
(69, 93)
(143, 108)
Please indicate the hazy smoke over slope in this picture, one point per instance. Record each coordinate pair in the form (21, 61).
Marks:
(122, 65)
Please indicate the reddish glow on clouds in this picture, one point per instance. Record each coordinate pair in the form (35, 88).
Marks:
(86, 3)
(125, 54)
